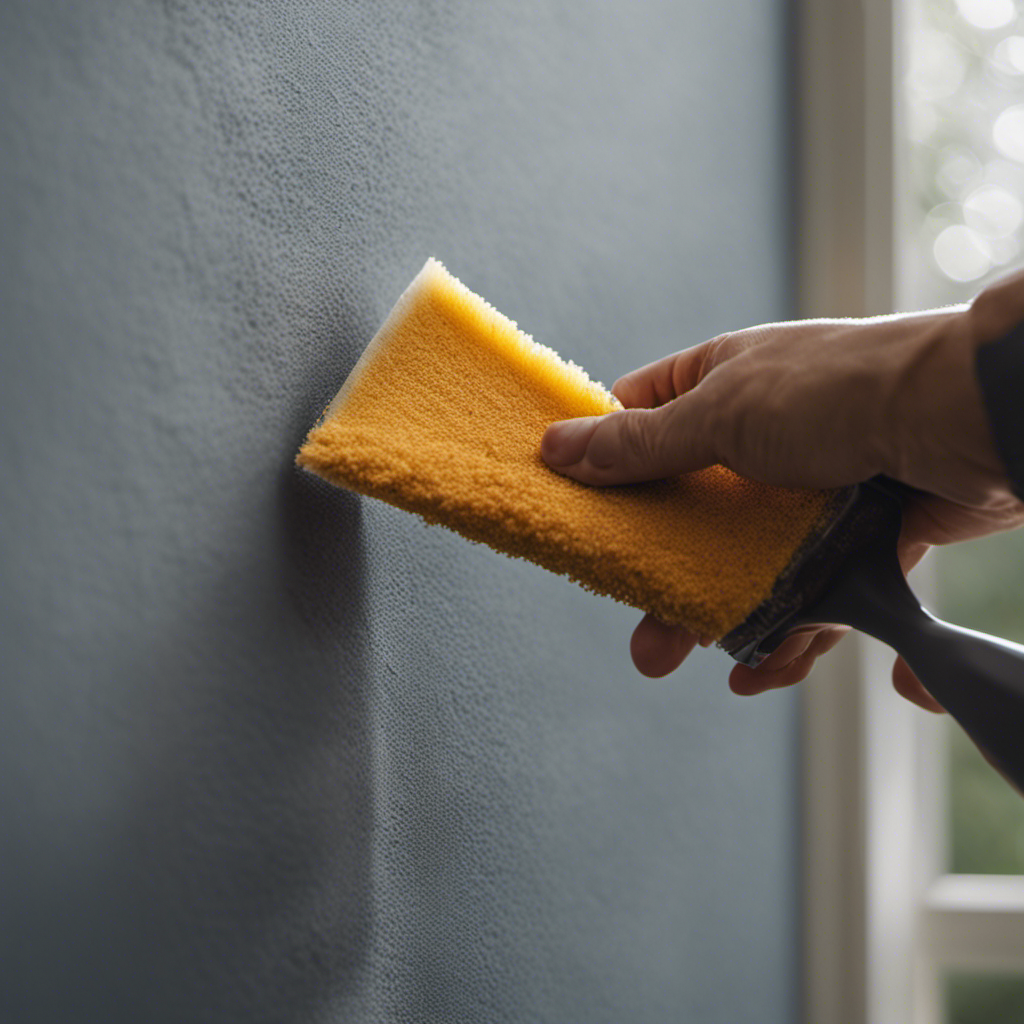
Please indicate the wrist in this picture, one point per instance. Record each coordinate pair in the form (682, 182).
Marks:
(996, 319)
(999, 371)
(996, 310)
(942, 440)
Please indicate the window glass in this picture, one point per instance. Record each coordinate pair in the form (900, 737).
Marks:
(984, 998)
(980, 585)
(964, 117)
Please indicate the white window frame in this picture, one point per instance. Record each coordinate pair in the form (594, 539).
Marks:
(882, 920)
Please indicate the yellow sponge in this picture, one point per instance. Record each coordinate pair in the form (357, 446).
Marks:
(443, 416)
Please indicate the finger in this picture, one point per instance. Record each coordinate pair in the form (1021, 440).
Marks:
(746, 681)
(667, 378)
(632, 445)
(657, 648)
(790, 648)
(931, 519)
(828, 638)
(910, 553)
(909, 686)
(790, 663)
(917, 534)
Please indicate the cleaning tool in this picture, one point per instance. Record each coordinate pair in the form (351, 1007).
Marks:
(443, 414)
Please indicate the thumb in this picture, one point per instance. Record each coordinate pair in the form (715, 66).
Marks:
(631, 445)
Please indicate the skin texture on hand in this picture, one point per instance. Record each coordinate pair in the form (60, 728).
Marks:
(814, 403)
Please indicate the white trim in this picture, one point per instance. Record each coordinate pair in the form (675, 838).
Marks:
(976, 922)
(846, 208)
(872, 831)
(846, 268)
(834, 910)
(872, 843)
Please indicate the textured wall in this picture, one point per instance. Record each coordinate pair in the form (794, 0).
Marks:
(272, 752)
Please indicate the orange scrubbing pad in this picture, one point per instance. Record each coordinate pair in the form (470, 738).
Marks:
(443, 416)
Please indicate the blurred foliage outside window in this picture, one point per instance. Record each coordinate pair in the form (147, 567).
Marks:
(984, 998)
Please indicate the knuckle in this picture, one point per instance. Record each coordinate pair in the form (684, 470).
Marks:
(603, 447)
(613, 442)
(716, 351)
(637, 437)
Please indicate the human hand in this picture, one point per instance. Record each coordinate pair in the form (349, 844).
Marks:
(818, 403)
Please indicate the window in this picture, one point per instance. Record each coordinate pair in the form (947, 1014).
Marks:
(912, 195)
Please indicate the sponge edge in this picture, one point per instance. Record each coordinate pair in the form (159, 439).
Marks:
(443, 415)
(486, 327)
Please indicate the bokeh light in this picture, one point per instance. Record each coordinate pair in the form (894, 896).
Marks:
(961, 253)
(959, 168)
(993, 212)
(987, 14)
(963, 116)
(1004, 250)
(1008, 132)
(1008, 55)
(937, 66)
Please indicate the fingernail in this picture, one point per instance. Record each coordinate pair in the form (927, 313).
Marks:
(565, 442)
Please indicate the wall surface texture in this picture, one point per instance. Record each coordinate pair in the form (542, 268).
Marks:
(272, 752)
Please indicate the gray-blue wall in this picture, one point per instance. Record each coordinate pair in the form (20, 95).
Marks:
(269, 751)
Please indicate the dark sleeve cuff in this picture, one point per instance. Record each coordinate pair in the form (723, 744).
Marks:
(999, 366)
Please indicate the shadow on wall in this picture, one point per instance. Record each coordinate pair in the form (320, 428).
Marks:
(269, 827)
(246, 852)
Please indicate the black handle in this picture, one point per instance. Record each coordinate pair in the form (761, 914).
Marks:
(978, 679)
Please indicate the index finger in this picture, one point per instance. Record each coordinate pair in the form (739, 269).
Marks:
(669, 377)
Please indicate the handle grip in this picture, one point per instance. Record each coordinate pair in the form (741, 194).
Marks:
(978, 679)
